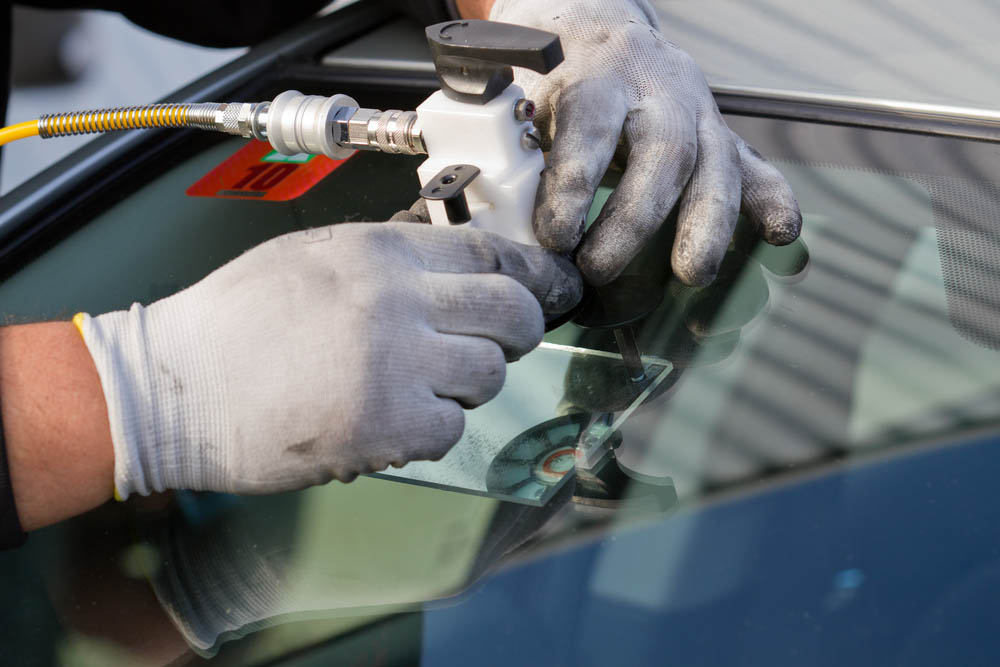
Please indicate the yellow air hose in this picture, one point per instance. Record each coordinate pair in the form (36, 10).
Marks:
(200, 115)
(19, 131)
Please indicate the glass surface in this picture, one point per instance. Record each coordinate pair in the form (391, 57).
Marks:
(854, 351)
(920, 51)
(917, 51)
(736, 473)
(504, 455)
(158, 240)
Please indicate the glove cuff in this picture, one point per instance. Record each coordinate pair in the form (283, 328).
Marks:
(164, 395)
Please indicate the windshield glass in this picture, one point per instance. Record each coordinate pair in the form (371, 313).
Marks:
(920, 51)
(584, 491)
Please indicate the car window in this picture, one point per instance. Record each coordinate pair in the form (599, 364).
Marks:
(872, 336)
(919, 52)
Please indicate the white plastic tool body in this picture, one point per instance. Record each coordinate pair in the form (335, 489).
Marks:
(501, 199)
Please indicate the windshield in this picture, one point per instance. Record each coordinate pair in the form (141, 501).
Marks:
(914, 53)
(919, 51)
(782, 448)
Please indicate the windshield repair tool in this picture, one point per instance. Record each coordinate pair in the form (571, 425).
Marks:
(549, 455)
(617, 306)
(484, 161)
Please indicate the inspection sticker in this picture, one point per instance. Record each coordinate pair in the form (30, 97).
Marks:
(258, 172)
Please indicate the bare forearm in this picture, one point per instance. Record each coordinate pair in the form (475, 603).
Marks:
(474, 9)
(55, 423)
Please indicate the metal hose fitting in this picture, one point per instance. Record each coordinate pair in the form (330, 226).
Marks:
(336, 126)
(389, 131)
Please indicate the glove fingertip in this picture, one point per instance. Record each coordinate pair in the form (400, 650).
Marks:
(598, 268)
(781, 226)
(560, 217)
(416, 213)
(566, 289)
(694, 277)
(558, 235)
(404, 216)
(695, 271)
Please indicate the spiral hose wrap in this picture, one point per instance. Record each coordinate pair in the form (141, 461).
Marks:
(150, 116)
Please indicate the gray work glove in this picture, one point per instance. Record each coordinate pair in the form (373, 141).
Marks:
(622, 78)
(321, 354)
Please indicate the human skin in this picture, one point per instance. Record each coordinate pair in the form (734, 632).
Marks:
(55, 423)
(474, 9)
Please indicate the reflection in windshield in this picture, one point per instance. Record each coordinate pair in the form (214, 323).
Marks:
(918, 51)
(520, 447)
(857, 339)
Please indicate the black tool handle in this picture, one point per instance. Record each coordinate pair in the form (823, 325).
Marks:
(474, 58)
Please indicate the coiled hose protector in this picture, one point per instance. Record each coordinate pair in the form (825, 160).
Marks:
(201, 115)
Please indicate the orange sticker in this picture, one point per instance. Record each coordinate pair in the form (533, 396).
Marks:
(258, 172)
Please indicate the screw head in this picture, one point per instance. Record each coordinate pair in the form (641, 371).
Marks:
(524, 110)
(531, 140)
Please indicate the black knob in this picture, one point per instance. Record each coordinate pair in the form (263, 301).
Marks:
(473, 59)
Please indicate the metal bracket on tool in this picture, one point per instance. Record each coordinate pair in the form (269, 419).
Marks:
(449, 186)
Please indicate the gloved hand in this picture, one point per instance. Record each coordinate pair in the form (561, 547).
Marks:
(692, 327)
(321, 354)
(622, 78)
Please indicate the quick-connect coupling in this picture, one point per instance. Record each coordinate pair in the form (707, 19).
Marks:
(389, 131)
(298, 123)
(336, 127)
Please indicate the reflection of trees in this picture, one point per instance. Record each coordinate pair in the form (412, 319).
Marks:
(917, 51)
(786, 397)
